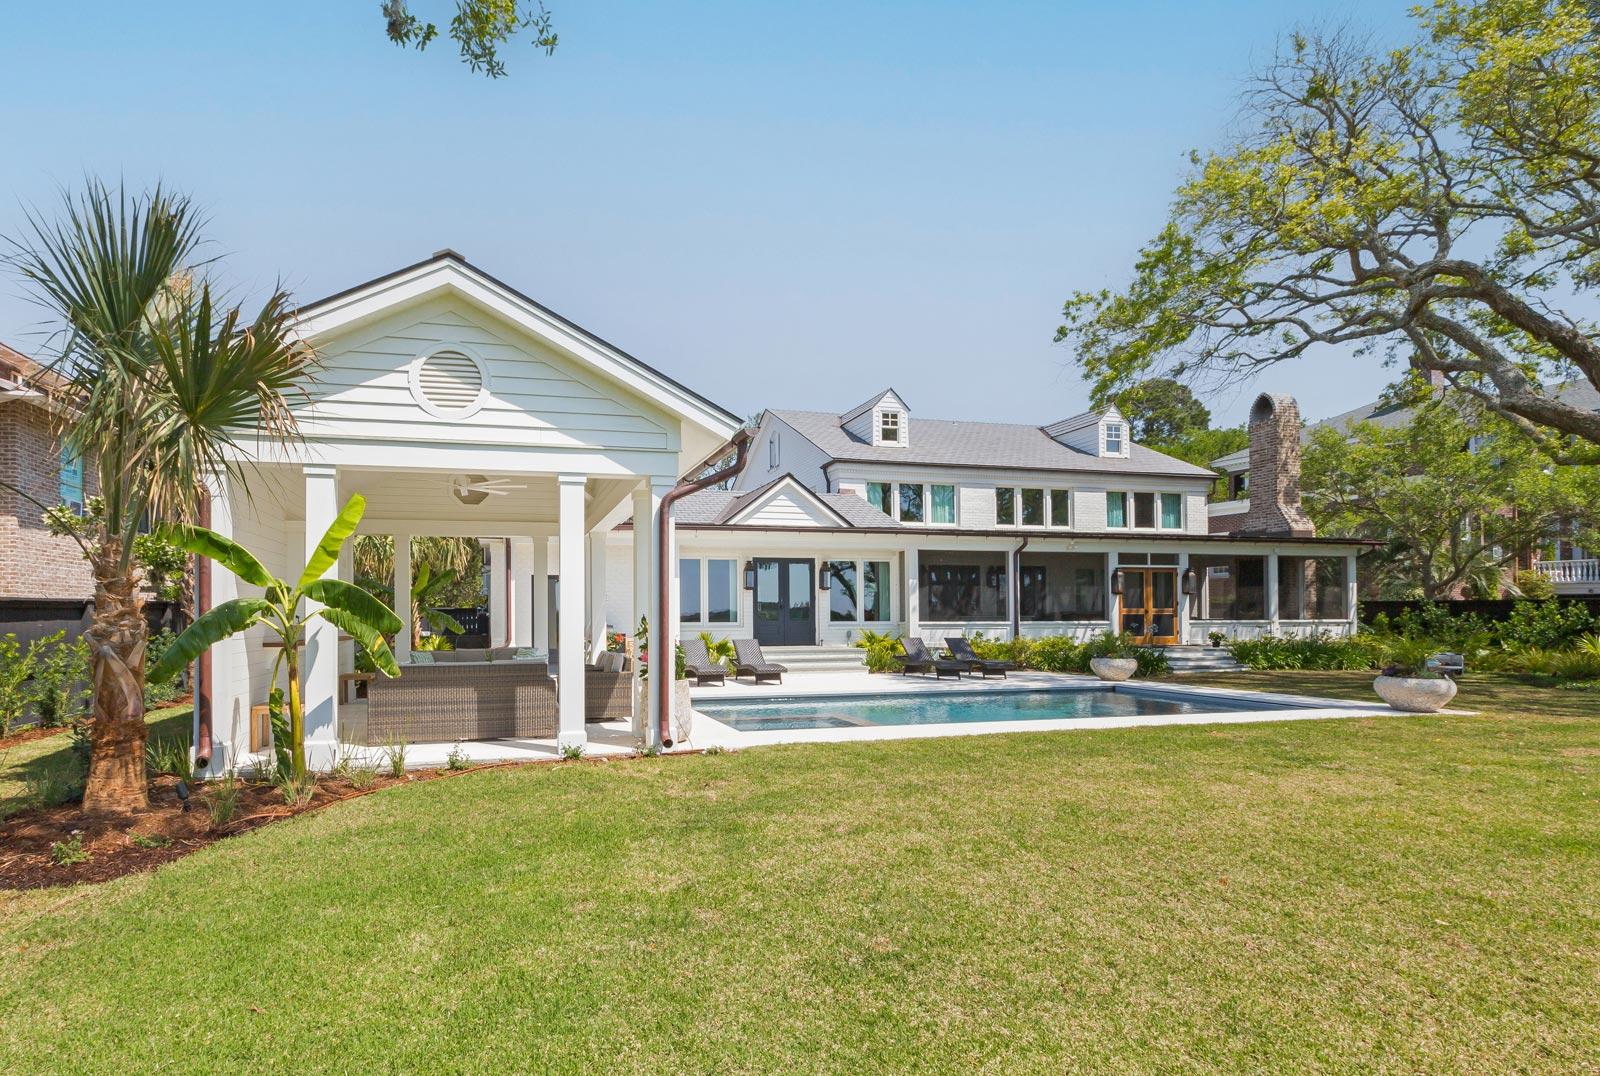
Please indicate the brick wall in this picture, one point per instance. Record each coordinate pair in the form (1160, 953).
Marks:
(32, 563)
(1275, 471)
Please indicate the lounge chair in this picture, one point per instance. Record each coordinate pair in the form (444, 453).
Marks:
(962, 651)
(750, 661)
(918, 659)
(698, 664)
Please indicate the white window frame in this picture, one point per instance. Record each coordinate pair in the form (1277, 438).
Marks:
(927, 504)
(825, 607)
(890, 420)
(1130, 515)
(704, 619)
(773, 452)
(1121, 429)
(1049, 523)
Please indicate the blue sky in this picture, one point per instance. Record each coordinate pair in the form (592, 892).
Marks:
(779, 204)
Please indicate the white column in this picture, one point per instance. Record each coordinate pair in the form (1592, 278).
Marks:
(402, 596)
(541, 594)
(1352, 609)
(644, 515)
(522, 591)
(230, 709)
(499, 629)
(660, 637)
(597, 594)
(319, 663)
(1272, 591)
(1183, 599)
(913, 597)
(570, 643)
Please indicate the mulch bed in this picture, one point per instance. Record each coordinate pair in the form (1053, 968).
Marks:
(31, 734)
(26, 838)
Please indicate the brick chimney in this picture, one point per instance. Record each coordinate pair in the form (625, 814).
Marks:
(1275, 470)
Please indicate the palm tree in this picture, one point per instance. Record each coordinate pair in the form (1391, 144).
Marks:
(161, 377)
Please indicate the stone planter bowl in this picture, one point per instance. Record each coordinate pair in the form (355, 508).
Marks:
(1415, 694)
(1114, 668)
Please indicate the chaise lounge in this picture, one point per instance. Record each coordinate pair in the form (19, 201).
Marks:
(961, 650)
(918, 659)
(698, 664)
(750, 661)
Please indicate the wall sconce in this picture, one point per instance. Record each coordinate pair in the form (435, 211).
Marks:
(994, 577)
(1116, 581)
(749, 575)
(1191, 582)
(824, 576)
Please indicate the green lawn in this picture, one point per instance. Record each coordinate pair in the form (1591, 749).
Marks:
(22, 765)
(1402, 894)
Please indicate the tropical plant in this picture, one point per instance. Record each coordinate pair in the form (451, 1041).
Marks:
(160, 379)
(285, 610)
(882, 650)
(18, 664)
(721, 651)
(1112, 644)
(425, 589)
(1409, 657)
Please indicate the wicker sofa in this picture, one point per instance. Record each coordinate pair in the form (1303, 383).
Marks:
(460, 698)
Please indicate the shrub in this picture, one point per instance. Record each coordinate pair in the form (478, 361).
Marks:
(1551, 625)
(56, 782)
(159, 693)
(1152, 662)
(882, 649)
(69, 852)
(1535, 586)
(17, 668)
(457, 758)
(1409, 657)
(572, 752)
(1112, 644)
(169, 754)
(61, 684)
(1058, 653)
(1321, 651)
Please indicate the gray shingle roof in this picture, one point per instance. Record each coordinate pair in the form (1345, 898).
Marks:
(999, 445)
(715, 507)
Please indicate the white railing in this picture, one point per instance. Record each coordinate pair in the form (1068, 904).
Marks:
(1570, 571)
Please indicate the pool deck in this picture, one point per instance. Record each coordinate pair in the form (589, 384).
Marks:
(708, 732)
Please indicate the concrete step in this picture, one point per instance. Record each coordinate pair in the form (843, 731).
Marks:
(1201, 659)
(817, 658)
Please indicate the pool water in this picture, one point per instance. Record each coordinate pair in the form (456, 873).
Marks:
(960, 708)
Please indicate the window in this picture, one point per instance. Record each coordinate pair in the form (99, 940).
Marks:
(1063, 586)
(942, 508)
(842, 596)
(1144, 509)
(71, 480)
(1172, 511)
(1005, 506)
(722, 591)
(1116, 509)
(878, 497)
(1311, 588)
(772, 452)
(689, 590)
(1231, 588)
(1060, 508)
(1114, 435)
(875, 591)
(889, 427)
(963, 585)
(911, 503)
(1033, 508)
(1238, 485)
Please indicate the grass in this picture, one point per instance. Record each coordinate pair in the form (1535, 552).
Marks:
(49, 761)
(1415, 893)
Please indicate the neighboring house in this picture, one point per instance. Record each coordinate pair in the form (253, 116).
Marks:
(874, 519)
(34, 565)
(1573, 569)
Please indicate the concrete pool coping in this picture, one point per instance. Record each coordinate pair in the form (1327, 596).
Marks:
(1264, 706)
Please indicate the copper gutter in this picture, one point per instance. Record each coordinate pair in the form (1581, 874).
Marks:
(741, 445)
(1016, 588)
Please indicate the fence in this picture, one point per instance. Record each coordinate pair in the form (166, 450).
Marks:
(34, 618)
(1489, 609)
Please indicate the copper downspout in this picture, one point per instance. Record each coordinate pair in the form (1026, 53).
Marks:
(202, 676)
(741, 445)
(1016, 589)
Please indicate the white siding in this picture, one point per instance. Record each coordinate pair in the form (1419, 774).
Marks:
(796, 456)
(535, 396)
(783, 508)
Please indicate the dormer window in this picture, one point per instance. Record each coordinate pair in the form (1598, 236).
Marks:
(889, 428)
(1116, 433)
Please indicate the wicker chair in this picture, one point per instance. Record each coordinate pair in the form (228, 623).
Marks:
(490, 700)
(608, 693)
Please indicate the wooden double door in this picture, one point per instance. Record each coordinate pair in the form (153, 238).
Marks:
(1150, 605)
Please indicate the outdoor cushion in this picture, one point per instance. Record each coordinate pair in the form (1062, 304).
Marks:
(528, 653)
(421, 657)
(502, 653)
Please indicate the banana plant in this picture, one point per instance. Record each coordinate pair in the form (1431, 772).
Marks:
(425, 608)
(282, 609)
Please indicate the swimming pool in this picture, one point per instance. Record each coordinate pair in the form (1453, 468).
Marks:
(966, 707)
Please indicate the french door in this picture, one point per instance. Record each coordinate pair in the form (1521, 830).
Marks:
(1150, 605)
(786, 603)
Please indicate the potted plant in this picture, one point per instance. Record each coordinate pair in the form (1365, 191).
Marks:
(1216, 638)
(1112, 657)
(1409, 683)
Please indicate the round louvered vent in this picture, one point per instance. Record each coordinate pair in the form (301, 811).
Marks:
(448, 383)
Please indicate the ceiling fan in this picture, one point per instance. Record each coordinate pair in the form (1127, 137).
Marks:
(477, 488)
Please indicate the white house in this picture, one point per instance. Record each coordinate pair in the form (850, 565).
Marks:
(876, 519)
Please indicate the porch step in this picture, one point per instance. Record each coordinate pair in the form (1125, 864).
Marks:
(1193, 659)
(806, 659)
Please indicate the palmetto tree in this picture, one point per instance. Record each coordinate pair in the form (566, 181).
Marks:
(284, 609)
(161, 377)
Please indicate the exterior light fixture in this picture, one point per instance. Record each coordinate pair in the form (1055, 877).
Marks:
(824, 576)
(1116, 581)
(749, 575)
(1191, 582)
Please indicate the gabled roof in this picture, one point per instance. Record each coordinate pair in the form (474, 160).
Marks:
(861, 409)
(724, 507)
(23, 379)
(448, 269)
(987, 445)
